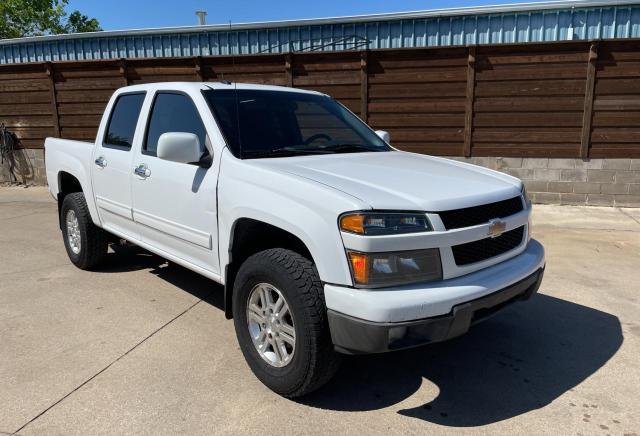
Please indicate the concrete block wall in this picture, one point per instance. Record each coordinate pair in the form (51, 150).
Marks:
(24, 166)
(596, 182)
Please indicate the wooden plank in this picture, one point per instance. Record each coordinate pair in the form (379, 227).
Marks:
(417, 120)
(398, 91)
(532, 72)
(617, 103)
(527, 150)
(25, 97)
(24, 85)
(432, 75)
(92, 121)
(617, 86)
(587, 115)
(527, 119)
(25, 109)
(541, 134)
(439, 105)
(439, 148)
(83, 96)
(91, 84)
(54, 100)
(428, 134)
(81, 108)
(619, 135)
(364, 87)
(28, 121)
(527, 88)
(468, 105)
(528, 104)
(616, 119)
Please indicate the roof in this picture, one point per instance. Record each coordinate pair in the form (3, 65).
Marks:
(521, 22)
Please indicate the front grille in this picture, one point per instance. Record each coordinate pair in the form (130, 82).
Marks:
(472, 216)
(477, 251)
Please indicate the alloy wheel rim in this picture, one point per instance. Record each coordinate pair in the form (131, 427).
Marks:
(271, 325)
(73, 232)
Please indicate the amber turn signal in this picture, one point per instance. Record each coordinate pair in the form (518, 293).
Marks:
(359, 267)
(352, 223)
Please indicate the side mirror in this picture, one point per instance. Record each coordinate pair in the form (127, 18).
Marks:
(384, 135)
(179, 147)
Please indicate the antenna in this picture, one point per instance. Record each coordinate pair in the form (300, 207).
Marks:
(233, 57)
(235, 89)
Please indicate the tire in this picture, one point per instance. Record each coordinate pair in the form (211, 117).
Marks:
(313, 361)
(93, 241)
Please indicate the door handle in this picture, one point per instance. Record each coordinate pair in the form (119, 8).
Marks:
(142, 171)
(101, 162)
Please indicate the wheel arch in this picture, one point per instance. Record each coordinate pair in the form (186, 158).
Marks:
(67, 184)
(249, 236)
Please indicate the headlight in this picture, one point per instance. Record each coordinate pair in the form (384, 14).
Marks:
(384, 223)
(525, 197)
(395, 268)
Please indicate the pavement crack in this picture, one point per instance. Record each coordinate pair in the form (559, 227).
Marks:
(626, 214)
(108, 366)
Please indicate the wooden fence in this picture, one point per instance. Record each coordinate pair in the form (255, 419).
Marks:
(568, 99)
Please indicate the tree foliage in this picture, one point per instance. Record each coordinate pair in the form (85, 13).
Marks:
(20, 18)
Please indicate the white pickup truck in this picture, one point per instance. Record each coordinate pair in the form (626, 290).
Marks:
(327, 239)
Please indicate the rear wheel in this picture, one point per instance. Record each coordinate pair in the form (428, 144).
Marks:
(281, 324)
(86, 243)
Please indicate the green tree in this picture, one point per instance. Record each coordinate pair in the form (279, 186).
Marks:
(20, 18)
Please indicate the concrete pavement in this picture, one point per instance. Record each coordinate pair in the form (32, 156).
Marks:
(142, 347)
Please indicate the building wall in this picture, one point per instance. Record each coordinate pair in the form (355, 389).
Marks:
(565, 117)
(504, 24)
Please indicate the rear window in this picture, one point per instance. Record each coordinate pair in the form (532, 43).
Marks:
(124, 117)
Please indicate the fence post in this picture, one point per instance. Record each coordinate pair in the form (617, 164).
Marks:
(468, 107)
(364, 86)
(288, 67)
(587, 115)
(198, 67)
(123, 71)
(54, 99)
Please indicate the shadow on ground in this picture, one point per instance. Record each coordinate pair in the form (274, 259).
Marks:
(132, 258)
(520, 360)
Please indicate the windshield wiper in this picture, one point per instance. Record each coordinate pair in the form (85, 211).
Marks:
(284, 151)
(348, 146)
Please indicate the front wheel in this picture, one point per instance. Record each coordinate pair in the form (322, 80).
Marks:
(281, 324)
(86, 243)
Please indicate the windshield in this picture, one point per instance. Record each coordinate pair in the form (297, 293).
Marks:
(259, 124)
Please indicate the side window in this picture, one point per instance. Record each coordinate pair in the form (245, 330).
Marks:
(173, 112)
(123, 120)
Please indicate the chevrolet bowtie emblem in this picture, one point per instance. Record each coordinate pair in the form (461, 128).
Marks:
(496, 228)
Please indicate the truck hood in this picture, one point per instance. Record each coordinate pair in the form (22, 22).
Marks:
(399, 180)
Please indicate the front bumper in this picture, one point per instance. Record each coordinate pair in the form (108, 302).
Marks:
(372, 321)
(355, 336)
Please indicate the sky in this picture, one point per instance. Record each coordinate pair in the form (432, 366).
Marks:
(136, 14)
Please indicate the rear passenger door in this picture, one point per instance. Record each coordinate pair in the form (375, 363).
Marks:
(175, 203)
(111, 166)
